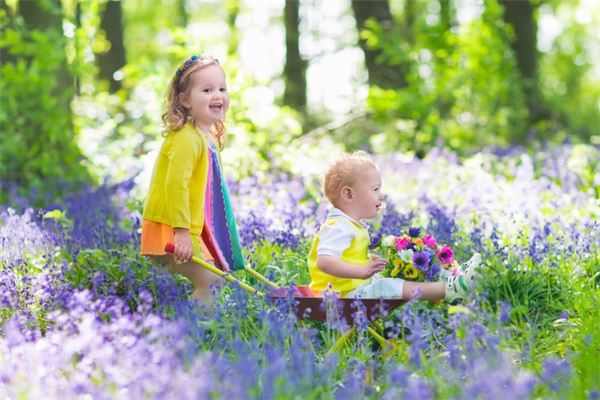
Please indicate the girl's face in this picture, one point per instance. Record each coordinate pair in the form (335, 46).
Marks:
(207, 99)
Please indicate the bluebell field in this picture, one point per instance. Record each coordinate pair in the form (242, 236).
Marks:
(82, 315)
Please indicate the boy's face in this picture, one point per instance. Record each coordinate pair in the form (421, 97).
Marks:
(368, 197)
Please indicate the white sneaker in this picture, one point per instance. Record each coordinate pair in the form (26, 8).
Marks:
(456, 289)
(471, 268)
(444, 275)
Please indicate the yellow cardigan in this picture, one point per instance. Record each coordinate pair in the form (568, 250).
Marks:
(178, 185)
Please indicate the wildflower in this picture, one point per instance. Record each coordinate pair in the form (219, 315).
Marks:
(414, 232)
(446, 256)
(430, 241)
(387, 241)
(402, 242)
(421, 260)
(410, 272)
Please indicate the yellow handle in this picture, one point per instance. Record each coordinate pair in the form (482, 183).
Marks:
(260, 277)
(226, 276)
(170, 248)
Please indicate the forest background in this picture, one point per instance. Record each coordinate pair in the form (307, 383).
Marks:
(483, 117)
(83, 82)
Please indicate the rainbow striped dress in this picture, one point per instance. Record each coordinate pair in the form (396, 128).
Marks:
(220, 234)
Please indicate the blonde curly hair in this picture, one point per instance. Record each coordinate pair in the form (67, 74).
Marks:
(344, 171)
(176, 114)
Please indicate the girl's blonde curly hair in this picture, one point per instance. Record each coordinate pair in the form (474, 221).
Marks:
(176, 114)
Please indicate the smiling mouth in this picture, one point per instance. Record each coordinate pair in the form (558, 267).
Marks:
(216, 107)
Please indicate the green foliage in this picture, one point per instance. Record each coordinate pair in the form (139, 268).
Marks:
(119, 273)
(445, 101)
(37, 136)
(586, 341)
(538, 295)
(553, 310)
(570, 83)
(285, 265)
(463, 91)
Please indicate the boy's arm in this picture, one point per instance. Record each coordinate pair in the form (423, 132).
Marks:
(336, 267)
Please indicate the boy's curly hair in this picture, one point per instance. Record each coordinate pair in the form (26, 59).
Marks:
(344, 171)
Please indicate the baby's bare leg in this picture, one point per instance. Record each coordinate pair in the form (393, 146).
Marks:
(432, 291)
(202, 279)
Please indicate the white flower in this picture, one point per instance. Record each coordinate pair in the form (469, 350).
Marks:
(406, 255)
(388, 241)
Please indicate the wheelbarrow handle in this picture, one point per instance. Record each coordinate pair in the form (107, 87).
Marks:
(261, 278)
(170, 248)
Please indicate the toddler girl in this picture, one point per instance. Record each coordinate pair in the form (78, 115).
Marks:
(188, 202)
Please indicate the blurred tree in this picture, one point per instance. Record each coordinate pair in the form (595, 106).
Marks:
(39, 156)
(46, 15)
(294, 71)
(77, 44)
(182, 14)
(569, 80)
(385, 72)
(8, 16)
(450, 98)
(233, 10)
(113, 58)
(520, 16)
(446, 17)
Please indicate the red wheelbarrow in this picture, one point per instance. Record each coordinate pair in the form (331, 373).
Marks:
(311, 306)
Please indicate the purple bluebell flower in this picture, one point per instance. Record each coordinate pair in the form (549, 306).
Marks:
(442, 224)
(556, 373)
(432, 272)
(429, 252)
(504, 312)
(414, 232)
(421, 260)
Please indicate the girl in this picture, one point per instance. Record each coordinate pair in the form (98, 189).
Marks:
(188, 202)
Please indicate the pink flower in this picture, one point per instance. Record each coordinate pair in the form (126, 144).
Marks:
(446, 255)
(430, 241)
(401, 243)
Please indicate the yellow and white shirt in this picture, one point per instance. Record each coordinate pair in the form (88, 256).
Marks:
(344, 238)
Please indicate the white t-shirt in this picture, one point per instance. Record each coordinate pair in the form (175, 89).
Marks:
(334, 239)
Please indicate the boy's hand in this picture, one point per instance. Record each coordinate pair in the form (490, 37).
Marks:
(183, 246)
(376, 265)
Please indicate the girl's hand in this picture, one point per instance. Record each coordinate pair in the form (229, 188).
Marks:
(376, 265)
(183, 245)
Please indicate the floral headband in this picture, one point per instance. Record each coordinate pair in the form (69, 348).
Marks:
(186, 64)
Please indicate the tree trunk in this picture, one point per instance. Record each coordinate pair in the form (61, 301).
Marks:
(5, 56)
(182, 17)
(519, 15)
(50, 18)
(445, 15)
(233, 10)
(114, 59)
(294, 71)
(383, 75)
(40, 159)
(44, 18)
(77, 21)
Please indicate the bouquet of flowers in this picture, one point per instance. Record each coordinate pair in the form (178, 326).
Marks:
(416, 256)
